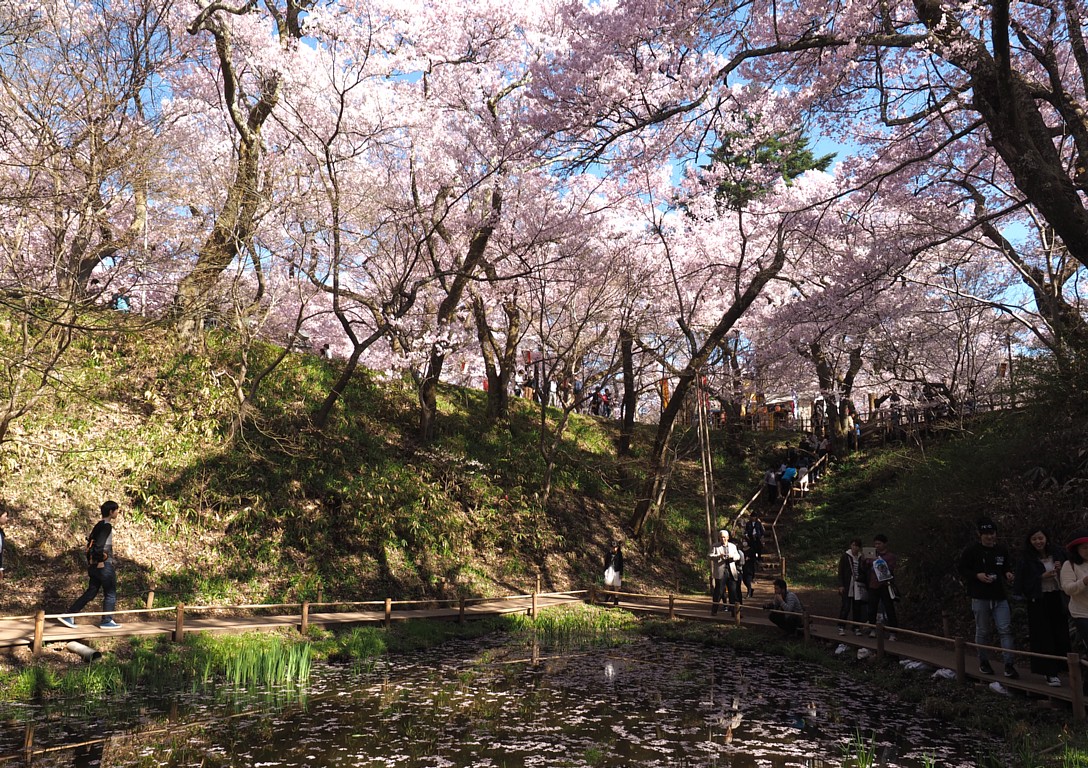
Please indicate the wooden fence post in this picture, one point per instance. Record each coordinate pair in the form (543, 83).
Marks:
(1076, 683)
(532, 611)
(782, 565)
(39, 630)
(592, 594)
(388, 612)
(538, 581)
(672, 607)
(305, 625)
(461, 610)
(880, 641)
(806, 627)
(179, 623)
(28, 743)
(961, 660)
(150, 600)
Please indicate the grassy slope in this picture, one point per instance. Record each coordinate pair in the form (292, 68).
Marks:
(358, 510)
(361, 510)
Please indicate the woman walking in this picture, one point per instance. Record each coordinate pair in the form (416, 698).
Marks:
(1048, 625)
(613, 569)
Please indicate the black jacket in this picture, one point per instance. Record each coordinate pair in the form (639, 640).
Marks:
(1029, 573)
(978, 559)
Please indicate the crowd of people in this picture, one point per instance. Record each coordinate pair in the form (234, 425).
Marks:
(1050, 580)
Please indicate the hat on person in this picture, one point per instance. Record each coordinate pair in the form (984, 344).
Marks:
(1080, 537)
(986, 525)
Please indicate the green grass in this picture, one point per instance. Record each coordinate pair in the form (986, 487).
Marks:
(566, 625)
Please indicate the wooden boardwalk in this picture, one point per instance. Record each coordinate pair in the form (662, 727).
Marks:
(955, 654)
(44, 629)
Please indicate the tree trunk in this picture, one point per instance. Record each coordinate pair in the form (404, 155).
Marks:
(654, 490)
(428, 386)
(630, 393)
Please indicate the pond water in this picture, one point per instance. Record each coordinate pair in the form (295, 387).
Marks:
(649, 703)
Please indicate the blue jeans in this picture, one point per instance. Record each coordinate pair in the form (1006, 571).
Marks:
(104, 578)
(989, 613)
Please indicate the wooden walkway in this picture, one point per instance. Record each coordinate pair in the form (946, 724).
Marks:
(44, 629)
(955, 654)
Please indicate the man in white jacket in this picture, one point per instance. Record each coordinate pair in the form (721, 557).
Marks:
(727, 560)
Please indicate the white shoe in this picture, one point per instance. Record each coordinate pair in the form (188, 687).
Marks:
(892, 637)
(66, 622)
(841, 631)
(1054, 681)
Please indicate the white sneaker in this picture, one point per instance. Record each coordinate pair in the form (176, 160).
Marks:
(841, 631)
(892, 637)
(66, 622)
(1054, 681)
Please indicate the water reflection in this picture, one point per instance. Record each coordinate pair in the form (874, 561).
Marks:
(647, 704)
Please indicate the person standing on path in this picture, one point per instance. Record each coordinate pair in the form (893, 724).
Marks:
(851, 589)
(100, 570)
(753, 533)
(880, 584)
(1048, 624)
(1074, 582)
(986, 569)
(613, 569)
(727, 562)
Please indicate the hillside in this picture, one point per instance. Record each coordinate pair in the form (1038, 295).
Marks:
(360, 509)
(282, 511)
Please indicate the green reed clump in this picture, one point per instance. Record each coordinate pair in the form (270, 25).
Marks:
(860, 752)
(359, 646)
(253, 659)
(92, 680)
(29, 683)
(565, 624)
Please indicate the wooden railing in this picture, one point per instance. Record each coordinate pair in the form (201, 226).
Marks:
(387, 606)
(954, 649)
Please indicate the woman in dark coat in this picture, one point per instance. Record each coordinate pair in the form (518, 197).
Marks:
(1048, 623)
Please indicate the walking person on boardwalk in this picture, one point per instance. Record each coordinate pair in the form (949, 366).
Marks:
(852, 590)
(1037, 583)
(613, 569)
(986, 569)
(727, 562)
(101, 573)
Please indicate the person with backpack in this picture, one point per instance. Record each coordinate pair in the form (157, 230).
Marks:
(101, 573)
